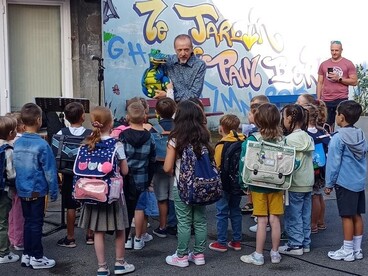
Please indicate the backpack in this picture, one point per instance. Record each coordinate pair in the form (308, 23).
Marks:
(65, 148)
(97, 178)
(3, 178)
(117, 130)
(199, 182)
(229, 170)
(268, 164)
(161, 138)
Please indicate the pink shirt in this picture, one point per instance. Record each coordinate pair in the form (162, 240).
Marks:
(333, 90)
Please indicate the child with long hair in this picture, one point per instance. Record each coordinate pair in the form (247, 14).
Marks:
(189, 128)
(102, 218)
(297, 220)
(319, 137)
(267, 203)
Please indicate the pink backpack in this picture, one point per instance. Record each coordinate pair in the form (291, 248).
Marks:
(116, 131)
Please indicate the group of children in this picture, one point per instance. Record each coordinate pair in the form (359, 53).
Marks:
(298, 125)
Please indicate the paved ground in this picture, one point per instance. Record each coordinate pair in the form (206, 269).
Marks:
(151, 260)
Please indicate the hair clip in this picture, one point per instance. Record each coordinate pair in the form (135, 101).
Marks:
(97, 124)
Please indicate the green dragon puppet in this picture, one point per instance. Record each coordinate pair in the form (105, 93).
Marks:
(154, 77)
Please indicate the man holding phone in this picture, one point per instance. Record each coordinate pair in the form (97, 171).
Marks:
(335, 75)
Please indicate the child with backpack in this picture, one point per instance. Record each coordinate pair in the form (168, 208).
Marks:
(267, 202)
(321, 140)
(74, 113)
(104, 217)
(16, 220)
(297, 219)
(8, 130)
(139, 146)
(189, 130)
(163, 183)
(227, 156)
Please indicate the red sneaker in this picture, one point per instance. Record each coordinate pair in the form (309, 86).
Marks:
(217, 247)
(234, 245)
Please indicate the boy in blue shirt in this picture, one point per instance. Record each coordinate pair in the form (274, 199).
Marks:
(346, 171)
(35, 165)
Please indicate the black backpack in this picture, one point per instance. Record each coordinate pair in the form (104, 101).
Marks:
(65, 148)
(229, 169)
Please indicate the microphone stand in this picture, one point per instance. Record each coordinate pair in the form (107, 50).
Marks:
(100, 78)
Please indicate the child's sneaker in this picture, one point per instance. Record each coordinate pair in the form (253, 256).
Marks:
(147, 237)
(252, 259)
(9, 258)
(103, 271)
(275, 257)
(198, 259)
(25, 260)
(342, 254)
(358, 255)
(162, 233)
(255, 227)
(129, 243)
(19, 247)
(123, 268)
(41, 263)
(306, 249)
(65, 242)
(234, 245)
(284, 236)
(291, 250)
(177, 261)
(90, 240)
(138, 243)
(216, 246)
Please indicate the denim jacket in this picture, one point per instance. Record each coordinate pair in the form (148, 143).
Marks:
(346, 163)
(35, 166)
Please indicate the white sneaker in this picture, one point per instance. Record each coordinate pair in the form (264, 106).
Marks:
(123, 268)
(198, 259)
(255, 227)
(10, 258)
(291, 250)
(25, 260)
(147, 237)
(177, 261)
(358, 255)
(138, 243)
(251, 259)
(41, 263)
(342, 254)
(129, 243)
(275, 257)
(19, 248)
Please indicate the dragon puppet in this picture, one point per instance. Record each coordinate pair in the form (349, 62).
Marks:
(154, 77)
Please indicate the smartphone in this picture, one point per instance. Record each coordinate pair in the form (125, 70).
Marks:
(329, 70)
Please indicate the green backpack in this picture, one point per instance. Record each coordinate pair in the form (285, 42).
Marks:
(268, 164)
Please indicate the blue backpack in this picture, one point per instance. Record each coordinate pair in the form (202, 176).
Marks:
(199, 182)
(161, 138)
(3, 178)
(97, 179)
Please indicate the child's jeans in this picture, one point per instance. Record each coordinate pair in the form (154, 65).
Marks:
(5, 206)
(188, 215)
(33, 212)
(16, 222)
(228, 207)
(297, 220)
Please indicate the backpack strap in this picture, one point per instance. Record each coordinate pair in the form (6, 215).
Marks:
(160, 130)
(66, 131)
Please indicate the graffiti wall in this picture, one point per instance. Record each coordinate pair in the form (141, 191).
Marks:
(250, 47)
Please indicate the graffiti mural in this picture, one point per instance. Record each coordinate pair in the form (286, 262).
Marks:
(249, 48)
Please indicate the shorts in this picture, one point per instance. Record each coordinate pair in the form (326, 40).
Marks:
(268, 204)
(142, 202)
(66, 192)
(349, 203)
(162, 184)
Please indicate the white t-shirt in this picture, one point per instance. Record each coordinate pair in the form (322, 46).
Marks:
(76, 131)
